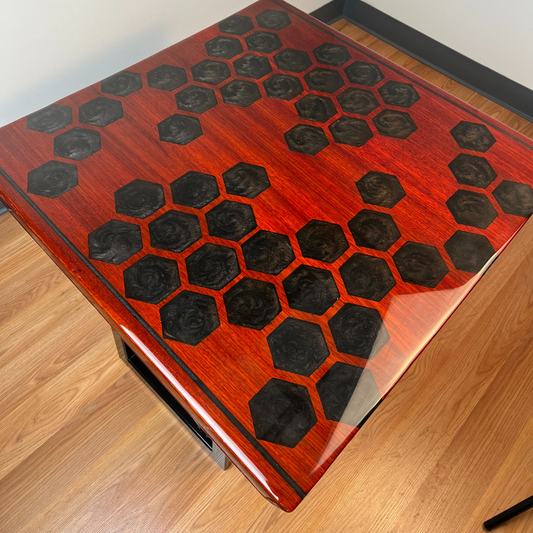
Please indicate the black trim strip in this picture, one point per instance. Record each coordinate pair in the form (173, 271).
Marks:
(330, 12)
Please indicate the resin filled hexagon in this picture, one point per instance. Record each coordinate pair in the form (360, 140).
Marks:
(50, 119)
(315, 108)
(298, 346)
(139, 199)
(293, 60)
(283, 86)
(350, 131)
(322, 241)
(471, 136)
(212, 266)
(252, 66)
(196, 99)
(115, 241)
(252, 303)
(363, 73)
(514, 198)
(472, 170)
(194, 189)
(174, 231)
(469, 251)
(151, 279)
(240, 92)
(263, 42)
(471, 209)
(398, 94)
(166, 77)
(230, 220)
(179, 129)
(209, 71)
(101, 112)
(268, 252)
(378, 188)
(311, 289)
(334, 55)
(420, 264)
(52, 179)
(246, 180)
(122, 83)
(397, 124)
(236, 25)
(282, 413)
(189, 318)
(306, 139)
(324, 80)
(223, 47)
(77, 144)
(372, 229)
(357, 101)
(272, 19)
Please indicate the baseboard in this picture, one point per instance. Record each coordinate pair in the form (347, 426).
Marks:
(330, 12)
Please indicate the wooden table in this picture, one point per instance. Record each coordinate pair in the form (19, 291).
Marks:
(275, 220)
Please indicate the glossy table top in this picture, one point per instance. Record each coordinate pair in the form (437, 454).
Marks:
(276, 219)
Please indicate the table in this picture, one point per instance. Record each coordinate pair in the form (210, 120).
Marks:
(275, 220)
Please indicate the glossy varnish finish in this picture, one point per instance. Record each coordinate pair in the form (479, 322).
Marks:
(303, 284)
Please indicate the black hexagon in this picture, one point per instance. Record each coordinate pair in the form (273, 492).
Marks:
(293, 60)
(230, 220)
(358, 331)
(263, 42)
(515, 198)
(223, 47)
(332, 54)
(246, 180)
(471, 136)
(399, 94)
(378, 188)
(306, 139)
(273, 20)
(267, 252)
(236, 25)
(101, 112)
(174, 231)
(252, 66)
(179, 129)
(122, 83)
(311, 289)
(298, 346)
(115, 241)
(209, 71)
(151, 279)
(367, 277)
(350, 131)
(196, 99)
(348, 394)
(283, 86)
(469, 251)
(194, 189)
(50, 119)
(240, 92)
(420, 264)
(252, 303)
(372, 229)
(471, 209)
(139, 199)
(363, 73)
(52, 179)
(77, 144)
(212, 266)
(189, 318)
(321, 240)
(282, 413)
(315, 108)
(396, 124)
(358, 101)
(167, 77)
(472, 170)
(324, 80)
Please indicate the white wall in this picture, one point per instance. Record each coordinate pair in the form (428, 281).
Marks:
(51, 48)
(495, 33)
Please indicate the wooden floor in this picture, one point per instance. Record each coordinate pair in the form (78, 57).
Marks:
(85, 446)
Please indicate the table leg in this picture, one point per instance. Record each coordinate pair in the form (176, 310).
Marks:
(513, 511)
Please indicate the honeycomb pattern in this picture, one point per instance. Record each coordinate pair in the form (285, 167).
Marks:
(196, 99)
(273, 20)
(324, 80)
(470, 136)
(350, 131)
(397, 124)
(139, 199)
(321, 240)
(357, 101)
(398, 94)
(77, 144)
(420, 264)
(246, 180)
(236, 25)
(167, 78)
(101, 112)
(315, 108)
(210, 71)
(373, 229)
(515, 198)
(223, 47)
(293, 60)
(230, 220)
(472, 170)
(268, 252)
(174, 231)
(362, 73)
(263, 42)
(252, 66)
(52, 179)
(179, 129)
(469, 251)
(378, 188)
(114, 242)
(240, 92)
(332, 54)
(212, 266)
(50, 119)
(283, 86)
(471, 209)
(122, 83)
(194, 189)
(306, 139)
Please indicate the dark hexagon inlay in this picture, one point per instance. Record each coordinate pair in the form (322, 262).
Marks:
(514, 198)
(196, 99)
(372, 229)
(358, 331)
(471, 209)
(50, 119)
(230, 220)
(311, 289)
(115, 241)
(472, 170)
(306, 139)
(223, 47)
(212, 266)
(396, 124)
(283, 86)
(420, 264)
(332, 54)
(194, 189)
(174, 231)
(351, 131)
(236, 25)
(293, 60)
(151, 279)
(367, 277)
(246, 180)
(252, 303)
(77, 144)
(122, 83)
(189, 318)
(471, 136)
(101, 112)
(324, 80)
(298, 346)
(273, 20)
(357, 101)
(263, 42)
(364, 73)
(399, 94)
(282, 413)
(348, 394)
(469, 251)
(378, 188)
(240, 92)
(139, 199)
(315, 108)
(179, 129)
(52, 179)
(209, 71)
(166, 77)
(252, 66)
(268, 252)
(321, 240)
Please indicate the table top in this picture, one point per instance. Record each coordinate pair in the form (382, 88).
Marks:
(276, 219)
